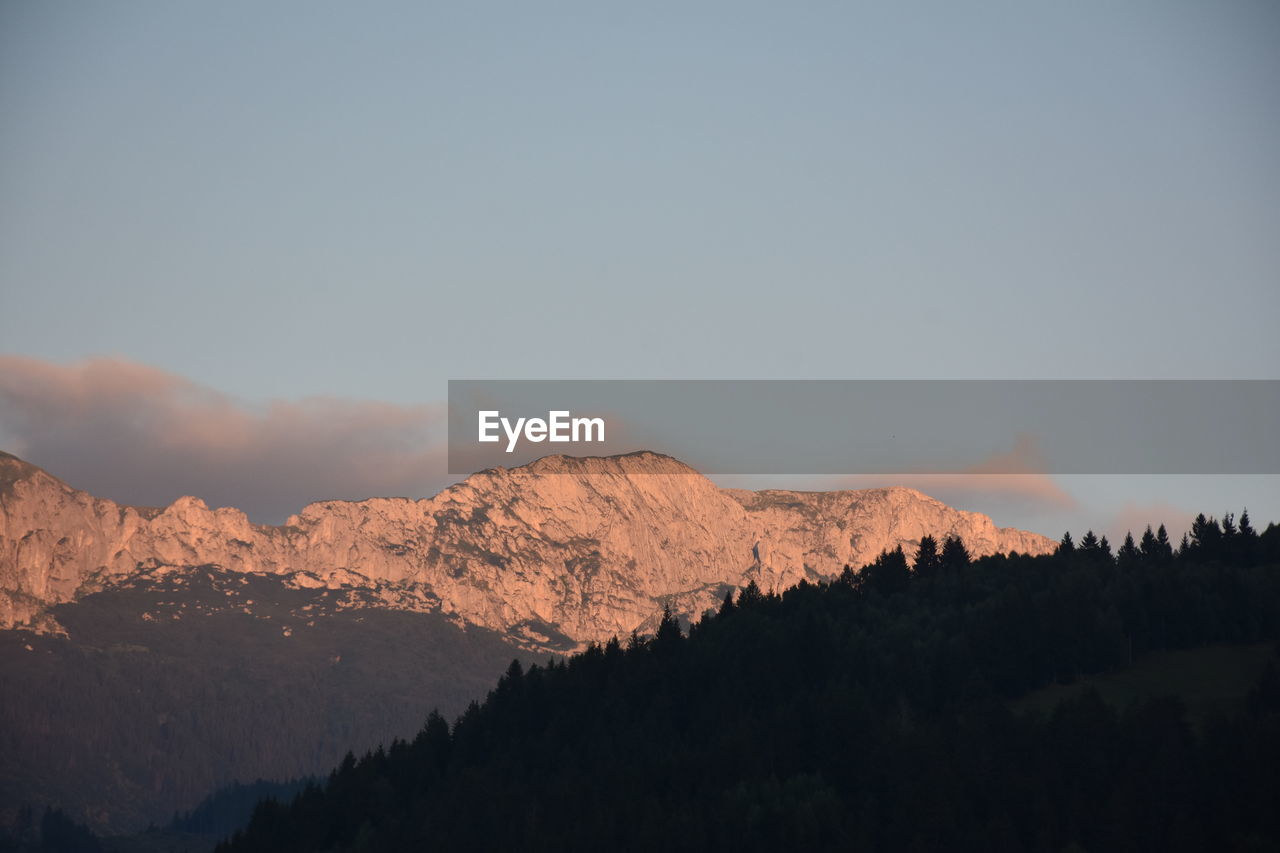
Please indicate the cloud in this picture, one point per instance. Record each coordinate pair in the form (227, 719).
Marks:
(144, 436)
(1004, 479)
(141, 435)
(1134, 518)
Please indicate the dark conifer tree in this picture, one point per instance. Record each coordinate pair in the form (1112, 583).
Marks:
(1206, 538)
(1246, 528)
(1246, 543)
(888, 575)
(1067, 546)
(750, 595)
(955, 556)
(511, 679)
(1268, 548)
(928, 561)
(1128, 555)
(668, 635)
(1093, 548)
(1164, 548)
(432, 743)
(1150, 550)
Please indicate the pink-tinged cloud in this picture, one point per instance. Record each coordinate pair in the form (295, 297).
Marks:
(144, 436)
(1134, 518)
(1016, 476)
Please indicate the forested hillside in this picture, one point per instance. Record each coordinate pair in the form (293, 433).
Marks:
(872, 712)
(174, 684)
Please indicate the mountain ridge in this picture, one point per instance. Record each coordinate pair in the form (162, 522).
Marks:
(588, 547)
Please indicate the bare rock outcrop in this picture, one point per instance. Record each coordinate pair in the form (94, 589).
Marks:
(563, 550)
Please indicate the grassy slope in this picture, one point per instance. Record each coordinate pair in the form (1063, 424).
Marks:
(1209, 680)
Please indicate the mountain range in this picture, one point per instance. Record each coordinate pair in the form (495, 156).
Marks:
(149, 656)
(554, 555)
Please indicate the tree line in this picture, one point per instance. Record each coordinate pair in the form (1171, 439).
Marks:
(870, 712)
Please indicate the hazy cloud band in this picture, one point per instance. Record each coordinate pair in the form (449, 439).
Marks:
(141, 435)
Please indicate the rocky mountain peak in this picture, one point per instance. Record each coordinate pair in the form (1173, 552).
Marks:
(556, 553)
(14, 470)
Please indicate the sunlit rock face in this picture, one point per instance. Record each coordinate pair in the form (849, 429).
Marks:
(559, 552)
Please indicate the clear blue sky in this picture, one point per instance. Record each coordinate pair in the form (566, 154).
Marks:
(364, 200)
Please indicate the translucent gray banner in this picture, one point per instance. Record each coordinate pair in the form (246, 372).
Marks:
(874, 427)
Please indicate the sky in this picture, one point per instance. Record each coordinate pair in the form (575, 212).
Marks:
(244, 246)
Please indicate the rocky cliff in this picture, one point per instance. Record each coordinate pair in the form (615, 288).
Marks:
(556, 553)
